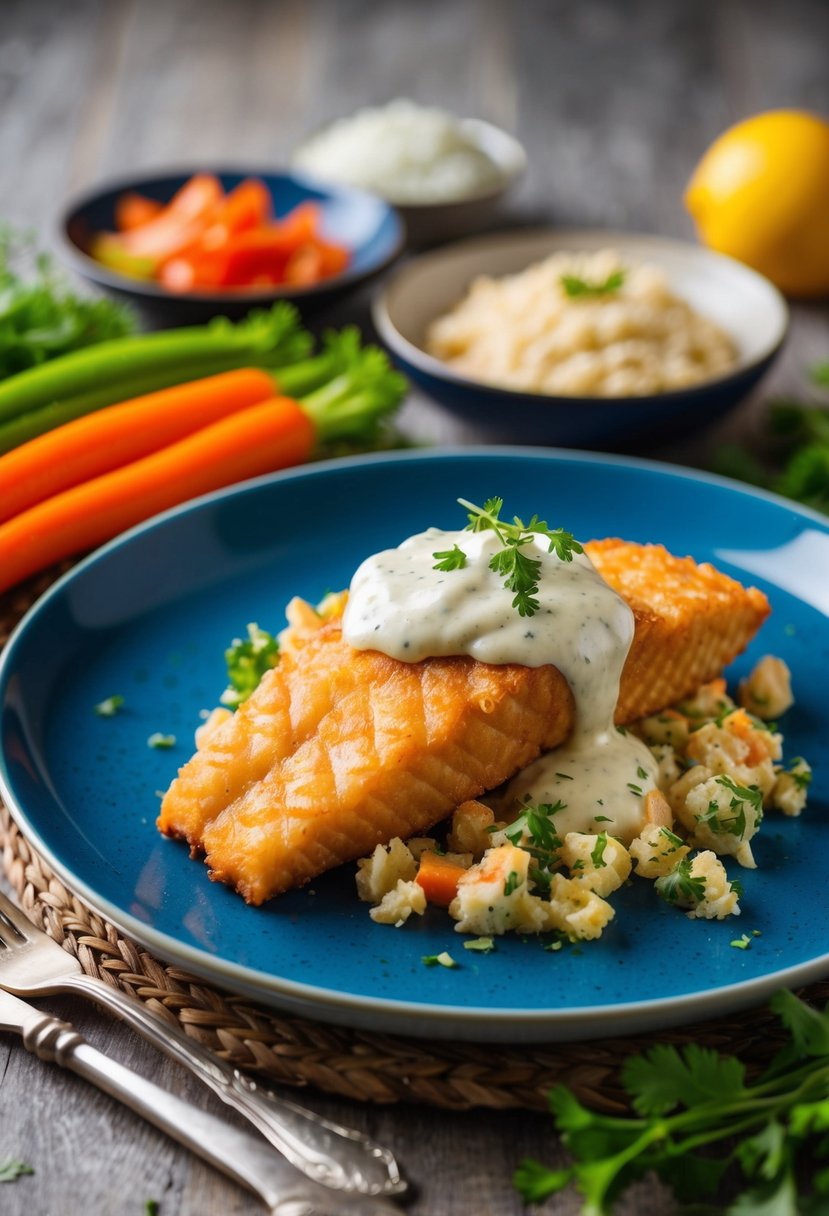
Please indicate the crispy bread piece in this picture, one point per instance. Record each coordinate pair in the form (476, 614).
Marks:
(339, 750)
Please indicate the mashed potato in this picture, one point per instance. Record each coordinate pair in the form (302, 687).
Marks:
(583, 324)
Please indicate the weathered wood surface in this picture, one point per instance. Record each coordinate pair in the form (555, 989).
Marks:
(614, 101)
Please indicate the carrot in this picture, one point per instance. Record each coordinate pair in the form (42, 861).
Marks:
(133, 209)
(177, 225)
(439, 878)
(272, 435)
(109, 438)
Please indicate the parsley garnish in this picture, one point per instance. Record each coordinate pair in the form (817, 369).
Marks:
(597, 856)
(519, 572)
(741, 943)
(444, 959)
(151, 1207)
(534, 832)
(635, 789)
(512, 883)
(450, 559)
(10, 1169)
(247, 661)
(575, 286)
(735, 824)
(800, 773)
(696, 1117)
(109, 707)
(681, 886)
(161, 742)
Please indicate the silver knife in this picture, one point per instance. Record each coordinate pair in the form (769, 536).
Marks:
(246, 1159)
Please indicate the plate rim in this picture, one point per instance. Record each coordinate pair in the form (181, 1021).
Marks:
(392, 1015)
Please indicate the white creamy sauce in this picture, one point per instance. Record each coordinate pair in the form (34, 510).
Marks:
(400, 605)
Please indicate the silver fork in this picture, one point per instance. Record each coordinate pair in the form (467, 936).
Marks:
(32, 964)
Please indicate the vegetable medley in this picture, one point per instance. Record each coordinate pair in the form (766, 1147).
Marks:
(720, 768)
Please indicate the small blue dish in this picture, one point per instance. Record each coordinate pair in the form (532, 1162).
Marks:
(366, 224)
(739, 300)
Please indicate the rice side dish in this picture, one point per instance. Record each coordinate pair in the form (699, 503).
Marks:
(581, 324)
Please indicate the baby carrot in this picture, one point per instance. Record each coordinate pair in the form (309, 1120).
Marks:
(120, 434)
(439, 878)
(275, 434)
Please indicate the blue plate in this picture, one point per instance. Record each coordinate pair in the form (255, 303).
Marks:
(148, 617)
(366, 224)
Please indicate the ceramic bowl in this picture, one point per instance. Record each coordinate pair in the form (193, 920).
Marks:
(371, 229)
(429, 224)
(745, 304)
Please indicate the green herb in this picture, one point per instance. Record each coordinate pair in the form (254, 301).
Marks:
(519, 572)
(161, 742)
(792, 456)
(41, 317)
(534, 831)
(444, 959)
(450, 559)
(597, 855)
(697, 1117)
(575, 286)
(635, 789)
(151, 1207)
(554, 946)
(734, 824)
(602, 819)
(109, 707)
(247, 661)
(741, 943)
(680, 886)
(10, 1169)
(484, 945)
(565, 776)
(641, 773)
(800, 773)
(513, 882)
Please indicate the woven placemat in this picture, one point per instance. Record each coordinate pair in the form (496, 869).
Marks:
(351, 1063)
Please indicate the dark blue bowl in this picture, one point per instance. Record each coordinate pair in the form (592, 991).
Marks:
(366, 224)
(741, 301)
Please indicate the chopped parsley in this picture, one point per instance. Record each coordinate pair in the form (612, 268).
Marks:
(247, 661)
(800, 773)
(597, 855)
(635, 789)
(720, 821)
(681, 886)
(109, 707)
(161, 742)
(576, 287)
(741, 943)
(11, 1169)
(534, 832)
(444, 959)
(483, 945)
(513, 882)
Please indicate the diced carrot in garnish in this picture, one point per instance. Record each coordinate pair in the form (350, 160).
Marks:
(439, 878)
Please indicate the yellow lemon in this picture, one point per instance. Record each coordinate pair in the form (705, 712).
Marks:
(761, 194)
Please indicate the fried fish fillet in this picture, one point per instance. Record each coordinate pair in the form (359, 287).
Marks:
(339, 750)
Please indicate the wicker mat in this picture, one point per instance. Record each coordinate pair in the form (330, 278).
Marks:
(354, 1064)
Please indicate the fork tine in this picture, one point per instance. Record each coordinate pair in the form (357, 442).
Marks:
(14, 926)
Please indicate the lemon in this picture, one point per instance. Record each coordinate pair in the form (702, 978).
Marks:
(761, 194)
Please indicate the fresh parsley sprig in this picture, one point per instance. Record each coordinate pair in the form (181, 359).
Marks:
(771, 1132)
(534, 832)
(519, 571)
(574, 286)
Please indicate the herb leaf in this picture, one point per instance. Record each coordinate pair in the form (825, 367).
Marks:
(450, 559)
(575, 286)
(680, 886)
(519, 571)
(247, 661)
(10, 1169)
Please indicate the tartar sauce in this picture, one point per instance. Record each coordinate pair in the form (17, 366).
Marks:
(400, 605)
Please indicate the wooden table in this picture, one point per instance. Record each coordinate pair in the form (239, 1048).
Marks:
(614, 102)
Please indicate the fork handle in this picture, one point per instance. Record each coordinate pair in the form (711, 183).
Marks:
(243, 1157)
(329, 1154)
